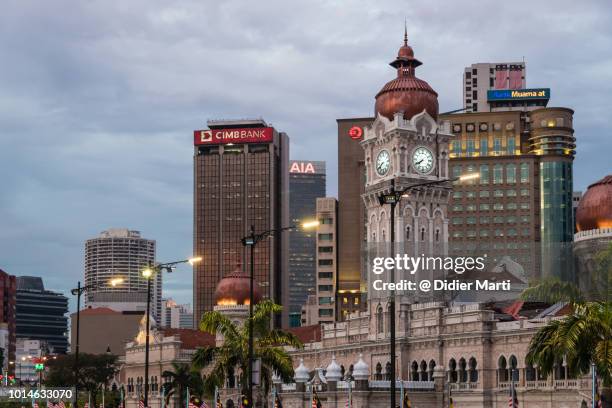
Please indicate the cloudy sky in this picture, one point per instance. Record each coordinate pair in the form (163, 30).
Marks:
(98, 99)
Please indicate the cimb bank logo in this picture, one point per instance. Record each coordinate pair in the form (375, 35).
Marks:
(205, 136)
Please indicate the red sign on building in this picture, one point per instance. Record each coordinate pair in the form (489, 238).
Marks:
(240, 135)
(355, 132)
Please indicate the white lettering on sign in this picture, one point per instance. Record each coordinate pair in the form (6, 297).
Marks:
(302, 167)
(239, 134)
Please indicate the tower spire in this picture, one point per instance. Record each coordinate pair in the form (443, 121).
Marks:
(405, 33)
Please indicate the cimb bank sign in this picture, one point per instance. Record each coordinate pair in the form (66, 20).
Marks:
(237, 135)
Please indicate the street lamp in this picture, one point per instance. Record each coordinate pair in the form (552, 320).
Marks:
(148, 273)
(251, 240)
(78, 291)
(393, 198)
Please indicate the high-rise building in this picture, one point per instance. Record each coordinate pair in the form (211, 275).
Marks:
(176, 316)
(327, 296)
(521, 206)
(41, 314)
(121, 253)
(351, 210)
(7, 317)
(306, 184)
(241, 179)
(479, 79)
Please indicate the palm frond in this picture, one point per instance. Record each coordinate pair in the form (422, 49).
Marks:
(552, 290)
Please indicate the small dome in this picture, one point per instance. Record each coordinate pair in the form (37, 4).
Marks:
(235, 289)
(333, 372)
(301, 373)
(595, 208)
(361, 371)
(406, 93)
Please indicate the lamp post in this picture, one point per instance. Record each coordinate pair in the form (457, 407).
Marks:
(393, 198)
(78, 291)
(251, 240)
(148, 273)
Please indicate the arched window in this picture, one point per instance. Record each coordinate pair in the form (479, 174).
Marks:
(414, 369)
(437, 235)
(423, 371)
(473, 370)
(502, 369)
(530, 373)
(378, 375)
(388, 371)
(452, 371)
(513, 371)
(408, 233)
(380, 323)
(462, 370)
(432, 367)
(374, 236)
(423, 234)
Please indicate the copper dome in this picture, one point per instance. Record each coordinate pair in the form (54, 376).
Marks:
(234, 289)
(595, 208)
(406, 93)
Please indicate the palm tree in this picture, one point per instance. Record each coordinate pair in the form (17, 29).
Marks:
(584, 337)
(234, 352)
(182, 377)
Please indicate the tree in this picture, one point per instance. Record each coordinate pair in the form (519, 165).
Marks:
(182, 377)
(234, 352)
(585, 335)
(94, 371)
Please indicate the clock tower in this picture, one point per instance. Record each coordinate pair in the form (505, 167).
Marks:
(405, 146)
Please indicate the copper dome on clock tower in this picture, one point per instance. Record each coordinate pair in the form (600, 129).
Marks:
(595, 208)
(406, 93)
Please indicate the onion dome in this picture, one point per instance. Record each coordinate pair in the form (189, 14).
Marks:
(333, 372)
(406, 93)
(361, 370)
(595, 208)
(235, 289)
(301, 373)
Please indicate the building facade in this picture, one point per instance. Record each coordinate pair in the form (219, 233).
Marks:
(351, 211)
(102, 329)
(241, 179)
(120, 253)
(28, 353)
(176, 316)
(480, 78)
(41, 314)
(521, 205)
(8, 329)
(327, 293)
(306, 184)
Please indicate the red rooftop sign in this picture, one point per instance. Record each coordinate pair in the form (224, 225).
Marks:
(239, 135)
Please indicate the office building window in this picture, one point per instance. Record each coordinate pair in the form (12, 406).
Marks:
(457, 194)
(326, 275)
(498, 207)
(524, 173)
(326, 262)
(470, 220)
(484, 220)
(456, 147)
(471, 147)
(510, 145)
(456, 171)
(498, 174)
(497, 149)
(484, 147)
(326, 221)
(484, 193)
(484, 174)
(326, 288)
(326, 237)
(524, 192)
(326, 249)
(498, 193)
(511, 173)
(457, 220)
(510, 193)
(484, 233)
(484, 207)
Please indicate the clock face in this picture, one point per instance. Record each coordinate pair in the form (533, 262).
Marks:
(383, 162)
(422, 160)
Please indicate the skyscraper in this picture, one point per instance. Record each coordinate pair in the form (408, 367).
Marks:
(121, 253)
(241, 178)
(7, 317)
(306, 184)
(479, 79)
(41, 314)
(351, 220)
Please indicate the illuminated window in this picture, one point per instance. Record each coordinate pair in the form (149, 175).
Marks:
(497, 146)
(524, 206)
(498, 206)
(510, 145)
(484, 147)
(498, 174)
(524, 173)
(470, 147)
(470, 207)
(511, 173)
(484, 174)
(345, 300)
(470, 194)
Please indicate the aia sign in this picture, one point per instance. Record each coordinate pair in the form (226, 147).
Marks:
(355, 133)
(302, 167)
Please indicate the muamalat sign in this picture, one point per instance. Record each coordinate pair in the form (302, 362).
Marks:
(240, 135)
